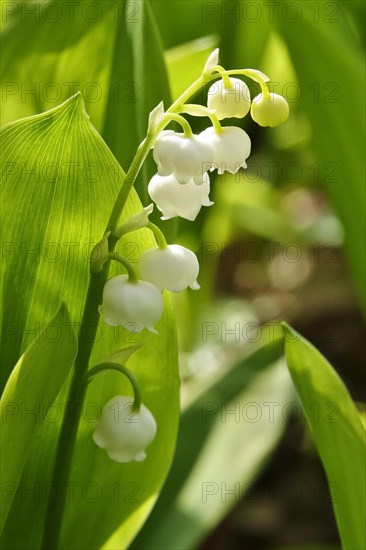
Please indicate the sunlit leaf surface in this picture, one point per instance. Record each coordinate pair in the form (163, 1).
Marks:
(337, 432)
(32, 387)
(59, 184)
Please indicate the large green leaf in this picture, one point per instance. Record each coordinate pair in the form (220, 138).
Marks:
(142, 83)
(110, 51)
(59, 215)
(331, 93)
(231, 434)
(337, 432)
(44, 62)
(33, 385)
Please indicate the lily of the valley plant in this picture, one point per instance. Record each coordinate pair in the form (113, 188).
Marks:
(133, 299)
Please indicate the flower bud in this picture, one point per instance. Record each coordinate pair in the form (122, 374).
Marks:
(269, 111)
(174, 268)
(211, 62)
(99, 254)
(123, 432)
(174, 199)
(133, 305)
(229, 102)
(138, 221)
(155, 117)
(231, 148)
(185, 157)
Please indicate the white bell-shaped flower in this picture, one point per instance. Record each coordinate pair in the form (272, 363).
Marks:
(174, 199)
(231, 148)
(270, 111)
(123, 432)
(185, 157)
(229, 102)
(133, 305)
(173, 268)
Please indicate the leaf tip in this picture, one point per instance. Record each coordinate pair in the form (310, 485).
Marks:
(63, 310)
(77, 104)
(63, 307)
(289, 333)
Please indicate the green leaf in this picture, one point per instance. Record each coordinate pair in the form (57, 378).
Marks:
(32, 387)
(111, 53)
(120, 357)
(138, 71)
(337, 433)
(309, 547)
(218, 449)
(44, 62)
(53, 218)
(331, 94)
(185, 63)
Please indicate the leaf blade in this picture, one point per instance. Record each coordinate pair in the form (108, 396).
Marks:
(335, 108)
(180, 518)
(33, 366)
(76, 210)
(320, 386)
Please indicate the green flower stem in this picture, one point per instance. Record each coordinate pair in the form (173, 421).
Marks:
(144, 148)
(68, 432)
(191, 91)
(86, 338)
(89, 326)
(136, 165)
(159, 235)
(103, 367)
(247, 72)
(215, 123)
(258, 79)
(264, 90)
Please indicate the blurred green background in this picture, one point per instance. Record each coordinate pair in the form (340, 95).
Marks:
(284, 240)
